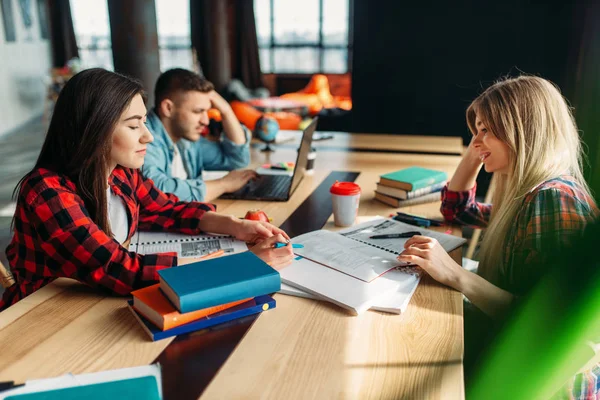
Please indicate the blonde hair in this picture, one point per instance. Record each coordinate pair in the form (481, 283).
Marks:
(532, 118)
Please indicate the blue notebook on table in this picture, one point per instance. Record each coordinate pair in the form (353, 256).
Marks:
(218, 281)
(254, 306)
(137, 388)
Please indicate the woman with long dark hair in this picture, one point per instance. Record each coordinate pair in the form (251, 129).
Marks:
(85, 198)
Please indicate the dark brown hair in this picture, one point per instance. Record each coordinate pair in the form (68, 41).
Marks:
(179, 80)
(79, 137)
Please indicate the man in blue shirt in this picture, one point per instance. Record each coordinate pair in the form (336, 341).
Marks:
(179, 153)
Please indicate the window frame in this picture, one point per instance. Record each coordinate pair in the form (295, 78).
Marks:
(319, 45)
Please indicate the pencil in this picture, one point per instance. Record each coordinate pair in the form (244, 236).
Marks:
(214, 254)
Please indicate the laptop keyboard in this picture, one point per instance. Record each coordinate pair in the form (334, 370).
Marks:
(269, 186)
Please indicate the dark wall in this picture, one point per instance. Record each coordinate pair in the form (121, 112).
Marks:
(416, 67)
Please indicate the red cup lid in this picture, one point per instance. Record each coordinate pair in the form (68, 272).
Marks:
(345, 188)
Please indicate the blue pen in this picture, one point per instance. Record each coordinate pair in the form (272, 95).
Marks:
(413, 220)
(279, 245)
(431, 221)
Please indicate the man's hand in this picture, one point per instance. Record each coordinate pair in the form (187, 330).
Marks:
(231, 126)
(237, 179)
(218, 102)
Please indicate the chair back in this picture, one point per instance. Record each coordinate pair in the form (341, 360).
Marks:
(6, 277)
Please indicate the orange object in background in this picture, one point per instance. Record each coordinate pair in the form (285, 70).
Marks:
(317, 95)
(249, 115)
(246, 114)
(286, 120)
(215, 114)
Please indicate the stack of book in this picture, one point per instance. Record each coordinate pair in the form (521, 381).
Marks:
(410, 186)
(205, 293)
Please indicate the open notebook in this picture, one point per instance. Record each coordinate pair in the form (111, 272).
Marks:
(355, 272)
(184, 245)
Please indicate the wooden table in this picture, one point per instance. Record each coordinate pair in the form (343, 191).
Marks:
(302, 349)
(381, 143)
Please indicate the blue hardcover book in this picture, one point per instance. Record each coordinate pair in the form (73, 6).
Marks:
(136, 388)
(218, 281)
(254, 306)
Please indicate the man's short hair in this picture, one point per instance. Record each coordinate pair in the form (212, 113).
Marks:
(179, 80)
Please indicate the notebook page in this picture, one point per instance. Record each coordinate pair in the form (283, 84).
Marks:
(383, 226)
(346, 255)
(184, 245)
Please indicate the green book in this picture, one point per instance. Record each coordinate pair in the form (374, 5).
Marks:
(412, 178)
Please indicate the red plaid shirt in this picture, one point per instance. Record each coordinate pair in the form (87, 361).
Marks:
(55, 236)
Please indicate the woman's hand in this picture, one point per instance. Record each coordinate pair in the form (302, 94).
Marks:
(428, 254)
(256, 231)
(466, 173)
(276, 258)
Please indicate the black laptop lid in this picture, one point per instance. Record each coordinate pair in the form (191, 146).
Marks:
(302, 157)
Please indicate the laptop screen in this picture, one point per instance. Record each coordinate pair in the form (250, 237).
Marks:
(303, 151)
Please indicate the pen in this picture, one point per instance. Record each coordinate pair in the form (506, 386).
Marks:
(9, 385)
(431, 221)
(279, 245)
(403, 235)
(413, 221)
(213, 254)
(277, 167)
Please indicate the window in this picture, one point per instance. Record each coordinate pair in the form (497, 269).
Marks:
(303, 37)
(92, 31)
(174, 41)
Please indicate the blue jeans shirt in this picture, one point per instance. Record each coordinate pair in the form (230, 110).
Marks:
(197, 156)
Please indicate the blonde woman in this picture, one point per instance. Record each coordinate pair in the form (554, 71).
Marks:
(524, 133)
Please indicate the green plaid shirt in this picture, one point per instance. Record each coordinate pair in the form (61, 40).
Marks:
(552, 214)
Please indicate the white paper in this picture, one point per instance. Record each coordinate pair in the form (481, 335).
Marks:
(383, 226)
(287, 136)
(346, 255)
(184, 245)
(341, 289)
(69, 380)
(395, 302)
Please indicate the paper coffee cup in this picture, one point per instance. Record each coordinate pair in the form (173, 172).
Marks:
(345, 197)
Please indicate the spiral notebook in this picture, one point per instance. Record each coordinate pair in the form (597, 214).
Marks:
(184, 245)
(352, 252)
(355, 272)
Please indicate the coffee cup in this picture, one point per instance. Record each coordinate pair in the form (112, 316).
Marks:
(345, 197)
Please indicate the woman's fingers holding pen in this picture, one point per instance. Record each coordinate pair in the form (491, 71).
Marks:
(275, 257)
(421, 241)
(431, 256)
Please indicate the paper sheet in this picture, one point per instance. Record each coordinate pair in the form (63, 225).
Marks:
(383, 226)
(345, 255)
(184, 245)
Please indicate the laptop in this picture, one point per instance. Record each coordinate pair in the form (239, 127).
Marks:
(278, 187)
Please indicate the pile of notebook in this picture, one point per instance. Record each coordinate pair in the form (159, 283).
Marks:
(410, 186)
(356, 268)
(205, 293)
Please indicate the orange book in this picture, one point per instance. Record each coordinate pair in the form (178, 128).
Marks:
(154, 305)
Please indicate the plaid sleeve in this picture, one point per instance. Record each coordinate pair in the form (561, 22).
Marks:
(461, 207)
(75, 247)
(551, 219)
(164, 212)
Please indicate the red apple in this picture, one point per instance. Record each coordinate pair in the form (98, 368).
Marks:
(257, 215)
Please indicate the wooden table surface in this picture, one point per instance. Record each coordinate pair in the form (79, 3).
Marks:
(416, 144)
(301, 349)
